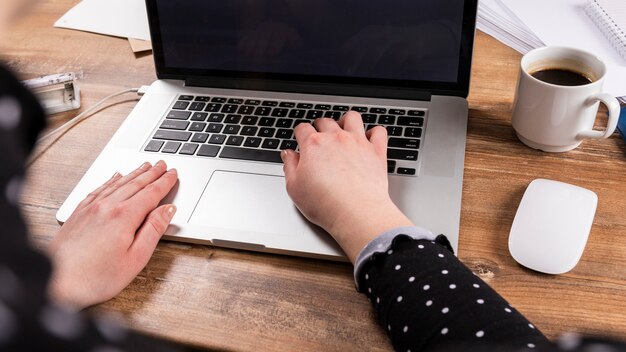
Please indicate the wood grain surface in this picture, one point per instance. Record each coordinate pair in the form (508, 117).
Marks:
(250, 301)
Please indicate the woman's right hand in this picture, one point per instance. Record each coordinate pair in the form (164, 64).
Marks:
(339, 180)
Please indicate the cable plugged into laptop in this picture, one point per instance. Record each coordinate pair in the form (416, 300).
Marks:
(142, 90)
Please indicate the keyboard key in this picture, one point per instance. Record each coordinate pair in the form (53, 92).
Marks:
(252, 142)
(266, 132)
(413, 132)
(208, 150)
(234, 140)
(171, 147)
(401, 154)
(287, 104)
(232, 119)
(200, 137)
(410, 143)
(185, 97)
(197, 106)
(249, 130)
(215, 128)
(289, 144)
(219, 100)
(188, 149)
(417, 112)
(245, 109)
(341, 108)
(216, 118)
(213, 107)
(304, 106)
(154, 146)
(336, 115)
(235, 101)
(174, 125)
(369, 118)
(197, 126)
(386, 120)
(269, 103)
(178, 115)
(280, 112)
(262, 111)
(297, 113)
(180, 105)
(172, 135)
(406, 171)
(397, 112)
(297, 122)
(284, 133)
(252, 102)
(249, 120)
(217, 139)
(270, 143)
(360, 109)
(411, 121)
(251, 154)
(391, 166)
(322, 106)
(229, 108)
(199, 116)
(267, 121)
(313, 114)
(378, 110)
(284, 123)
(231, 129)
(394, 131)
(204, 99)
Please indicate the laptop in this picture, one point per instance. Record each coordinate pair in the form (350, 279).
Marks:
(235, 77)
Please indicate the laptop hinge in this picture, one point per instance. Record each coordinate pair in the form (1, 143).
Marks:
(310, 88)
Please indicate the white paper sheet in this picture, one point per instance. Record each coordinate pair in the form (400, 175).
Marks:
(120, 18)
(563, 22)
(495, 19)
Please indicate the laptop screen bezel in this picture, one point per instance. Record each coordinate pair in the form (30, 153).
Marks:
(314, 84)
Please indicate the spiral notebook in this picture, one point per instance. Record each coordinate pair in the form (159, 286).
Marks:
(610, 17)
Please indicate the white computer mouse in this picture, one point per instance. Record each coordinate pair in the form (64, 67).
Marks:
(551, 226)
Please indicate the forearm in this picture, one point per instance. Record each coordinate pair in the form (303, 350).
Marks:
(427, 299)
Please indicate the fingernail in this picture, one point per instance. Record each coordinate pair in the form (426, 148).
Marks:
(283, 154)
(170, 211)
(145, 166)
(159, 163)
(172, 171)
(116, 175)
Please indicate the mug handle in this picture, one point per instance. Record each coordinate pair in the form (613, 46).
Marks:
(614, 110)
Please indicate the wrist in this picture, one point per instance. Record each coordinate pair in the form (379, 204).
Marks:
(354, 229)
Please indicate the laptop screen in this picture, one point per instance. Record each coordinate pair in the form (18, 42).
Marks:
(405, 44)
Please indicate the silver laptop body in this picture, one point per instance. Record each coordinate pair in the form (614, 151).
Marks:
(228, 201)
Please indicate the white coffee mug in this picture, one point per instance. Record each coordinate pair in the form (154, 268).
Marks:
(556, 118)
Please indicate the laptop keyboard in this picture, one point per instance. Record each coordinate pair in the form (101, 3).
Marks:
(256, 130)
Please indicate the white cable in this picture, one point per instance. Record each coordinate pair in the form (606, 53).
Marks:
(69, 124)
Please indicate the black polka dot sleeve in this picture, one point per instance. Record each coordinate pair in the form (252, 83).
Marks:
(28, 320)
(426, 299)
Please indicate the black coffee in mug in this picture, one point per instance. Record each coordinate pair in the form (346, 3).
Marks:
(561, 77)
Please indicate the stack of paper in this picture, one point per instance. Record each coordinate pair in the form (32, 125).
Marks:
(495, 19)
(528, 24)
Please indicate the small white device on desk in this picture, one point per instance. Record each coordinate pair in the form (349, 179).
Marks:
(551, 226)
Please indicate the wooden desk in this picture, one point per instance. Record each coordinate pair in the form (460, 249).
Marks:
(250, 301)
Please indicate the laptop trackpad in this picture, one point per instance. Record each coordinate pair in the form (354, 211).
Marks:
(248, 202)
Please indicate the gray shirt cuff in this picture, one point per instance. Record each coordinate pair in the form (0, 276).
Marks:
(383, 242)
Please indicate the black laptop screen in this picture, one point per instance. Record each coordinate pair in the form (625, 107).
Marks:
(403, 43)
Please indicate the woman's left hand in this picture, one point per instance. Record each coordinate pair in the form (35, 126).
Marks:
(111, 236)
